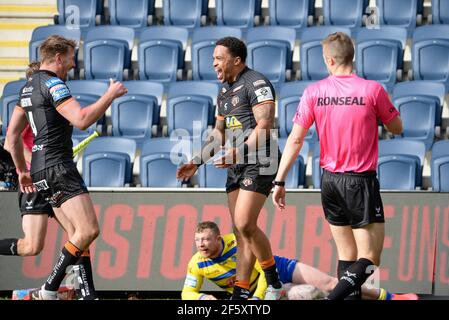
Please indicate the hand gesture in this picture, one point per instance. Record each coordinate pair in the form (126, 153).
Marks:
(26, 184)
(186, 171)
(279, 197)
(116, 89)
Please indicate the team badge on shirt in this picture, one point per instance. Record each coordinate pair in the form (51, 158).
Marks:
(264, 94)
(235, 100)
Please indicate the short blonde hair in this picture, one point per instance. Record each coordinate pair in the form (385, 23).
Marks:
(53, 45)
(207, 225)
(340, 47)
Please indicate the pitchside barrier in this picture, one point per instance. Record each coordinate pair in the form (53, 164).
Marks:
(147, 238)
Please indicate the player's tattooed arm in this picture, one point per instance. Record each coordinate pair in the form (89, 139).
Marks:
(264, 114)
(214, 141)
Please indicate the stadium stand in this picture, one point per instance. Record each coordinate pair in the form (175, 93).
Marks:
(297, 175)
(211, 177)
(440, 166)
(90, 13)
(400, 13)
(132, 13)
(440, 12)
(295, 14)
(185, 13)
(238, 13)
(345, 13)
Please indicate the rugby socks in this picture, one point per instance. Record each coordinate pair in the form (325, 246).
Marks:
(384, 295)
(344, 265)
(69, 256)
(352, 279)
(271, 273)
(8, 247)
(241, 290)
(85, 289)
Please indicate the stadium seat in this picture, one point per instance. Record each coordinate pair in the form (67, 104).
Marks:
(132, 13)
(7, 105)
(107, 52)
(439, 166)
(108, 162)
(420, 104)
(311, 52)
(184, 13)
(203, 44)
(440, 12)
(41, 33)
(400, 13)
(88, 11)
(211, 177)
(345, 13)
(160, 159)
(87, 92)
(190, 103)
(13, 87)
(386, 44)
(400, 164)
(295, 14)
(161, 53)
(288, 101)
(297, 174)
(430, 53)
(270, 51)
(237, 13)
(136, 115)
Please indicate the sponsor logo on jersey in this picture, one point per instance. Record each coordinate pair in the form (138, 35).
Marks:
(259, 82)
(27, 90)
(190, 281)
(235, 100)
(233, 123)
(41, 185)
(37, 147)
(264, 94)
(29, 205)
(340, 101)
(53, 81)
(25, 102)
(59, 92)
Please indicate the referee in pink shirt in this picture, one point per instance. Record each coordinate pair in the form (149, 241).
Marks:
(345, 109)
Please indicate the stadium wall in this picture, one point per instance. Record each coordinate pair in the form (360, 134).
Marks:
(146, 238)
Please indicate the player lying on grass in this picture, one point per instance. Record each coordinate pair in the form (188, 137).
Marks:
(216, 261)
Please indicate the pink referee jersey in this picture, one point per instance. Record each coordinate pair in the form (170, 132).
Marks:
(346, 110)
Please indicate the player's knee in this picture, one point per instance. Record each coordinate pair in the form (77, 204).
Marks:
(94, 233)
(31, 248)
(246, 229)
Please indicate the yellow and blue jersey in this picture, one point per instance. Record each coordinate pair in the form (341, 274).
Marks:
(221, 271)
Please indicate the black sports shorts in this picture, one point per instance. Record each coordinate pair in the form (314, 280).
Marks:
(59, 183)
(351, 198)
(34, 203)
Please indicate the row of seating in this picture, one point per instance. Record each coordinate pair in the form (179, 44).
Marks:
(191, 106)
(161, 52)
(108, 162)
(242, 13)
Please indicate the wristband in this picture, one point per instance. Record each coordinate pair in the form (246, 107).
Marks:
(279, 183)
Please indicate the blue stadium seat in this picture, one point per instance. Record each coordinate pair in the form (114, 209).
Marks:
(237, 13)
(386, 44)
(345, 13)
(88, 11)
(297, 174)
(439, 166)
(87, 92)
(190, 102)
(430, 53)
(400, 13)
(317, 171)
(161, 53)
(108, 162)
(160, 159)
(440, 12)
(291, 13)
(311, 53)
(7, 105)
(136, 115)
(400, 164)
(13, 87)
(420, 104)
(132, 13)
(211, 177)
(270, 51)
(184, 13)
(288, 101)
(41, 33)
(203, 44)
(107, 52)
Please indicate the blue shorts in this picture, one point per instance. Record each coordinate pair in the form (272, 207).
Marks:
(285, 268)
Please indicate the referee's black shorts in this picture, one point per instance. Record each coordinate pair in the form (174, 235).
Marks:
(351, 198)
